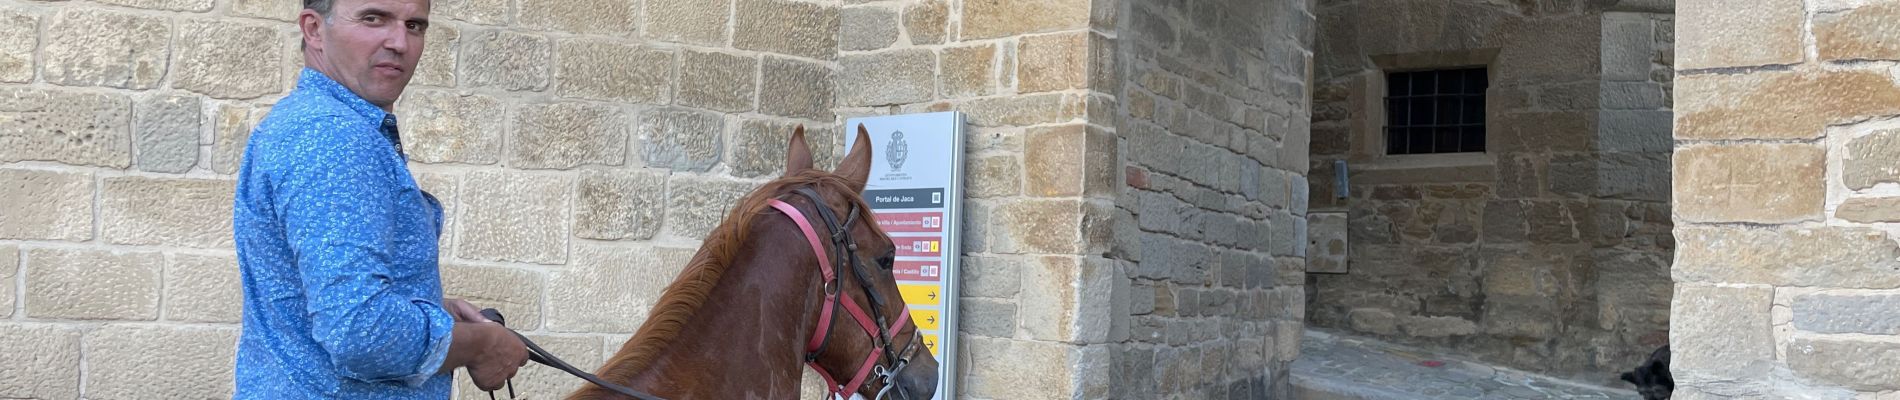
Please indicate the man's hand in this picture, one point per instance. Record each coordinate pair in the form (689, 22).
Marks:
(502, 354)
(463, 311)
(490, 351)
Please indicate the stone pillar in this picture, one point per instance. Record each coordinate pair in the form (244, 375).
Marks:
(1785, 153)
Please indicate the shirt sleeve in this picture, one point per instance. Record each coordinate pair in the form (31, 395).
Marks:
(338, 199)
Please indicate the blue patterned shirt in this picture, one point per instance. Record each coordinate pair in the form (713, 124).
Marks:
(337, 248)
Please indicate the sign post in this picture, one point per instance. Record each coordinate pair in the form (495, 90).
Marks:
(915, 189)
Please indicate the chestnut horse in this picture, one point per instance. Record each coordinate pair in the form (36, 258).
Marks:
(752, 308)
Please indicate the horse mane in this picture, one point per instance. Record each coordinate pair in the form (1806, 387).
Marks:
(683, 298)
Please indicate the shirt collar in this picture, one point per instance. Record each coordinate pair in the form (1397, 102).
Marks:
(311, 79)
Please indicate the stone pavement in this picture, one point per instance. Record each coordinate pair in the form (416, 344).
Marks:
(1332, 367)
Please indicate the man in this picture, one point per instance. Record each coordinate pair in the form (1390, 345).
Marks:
(336, 244)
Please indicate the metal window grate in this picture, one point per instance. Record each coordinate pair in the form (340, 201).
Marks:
(1439, 111)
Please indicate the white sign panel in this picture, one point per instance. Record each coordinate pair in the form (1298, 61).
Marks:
(916, 191)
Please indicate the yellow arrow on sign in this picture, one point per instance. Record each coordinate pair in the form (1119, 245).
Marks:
(920, 294)
(926, 319)
(930, 341)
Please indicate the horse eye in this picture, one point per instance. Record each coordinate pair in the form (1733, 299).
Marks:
(886, 260)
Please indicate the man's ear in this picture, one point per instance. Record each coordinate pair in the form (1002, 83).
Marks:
(309, 26)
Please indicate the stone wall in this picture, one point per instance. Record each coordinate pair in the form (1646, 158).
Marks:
(583, 145)
(1785, 153)
(1214, 136)
(1545, 252)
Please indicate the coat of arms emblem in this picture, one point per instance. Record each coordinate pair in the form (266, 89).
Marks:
(896, 150)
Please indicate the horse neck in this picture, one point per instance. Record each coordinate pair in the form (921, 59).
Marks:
(747, 339)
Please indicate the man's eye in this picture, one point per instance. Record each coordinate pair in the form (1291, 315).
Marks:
(372, 19)
(414, 26)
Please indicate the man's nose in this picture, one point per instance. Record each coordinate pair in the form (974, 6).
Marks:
(399, 40)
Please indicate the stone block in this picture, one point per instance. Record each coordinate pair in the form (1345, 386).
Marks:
(1052, 62)
(277, 10)
(1023, 110)
(203, 289)
(447, 189)
(926, 21)
(1633, 176)
(994, 176)
(166, 212)
(438, 65)
(1838, 257)
(484, 12)
(867, 28)
(1714, 329)
(986, 317)
(1870, 160)
(446, 127)
(1755, 106)
(1869, 209)
(145, 361)
(1847, 313)
(682, 140)
(1634, 131)
(1627, 47)
(576, 350)
(1019, 369)
(718, 81)
(1740, 33)
(568, 134)
(517, 293)
(991, 277)
(1630, 96)
(1068, 161)
(688, 21)
(1326, 245)
(168, 128)
(1862, 33)
(696, 205)
(798, 89)
(887, 78)
(19, 37)
(611, 289)
(505, 60)
(786, 27)
(1862, 365)
(759, 150)
(92, 284)
(994, 19)
(42, 361)
(66, 127)
(1066, 299)
(9, 272)
(619, 205)
(45, 205)
(1558, 131)
(514, 216)
(227, 61)
(596, 17)
(231, 134)
(1038, 226)
(1787, 184)
(93, 47)
(609, 71)
(968, 71)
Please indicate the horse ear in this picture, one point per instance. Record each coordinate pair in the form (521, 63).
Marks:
(856, 167)
(797, 154)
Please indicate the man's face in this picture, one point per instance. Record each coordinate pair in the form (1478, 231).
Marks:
(370, 46)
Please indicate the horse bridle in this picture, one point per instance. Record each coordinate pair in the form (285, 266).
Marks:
(880, 329)
(843, 255)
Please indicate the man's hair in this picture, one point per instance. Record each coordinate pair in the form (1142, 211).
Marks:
(322, 7)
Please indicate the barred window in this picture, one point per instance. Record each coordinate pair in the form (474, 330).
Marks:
(1439, 111)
